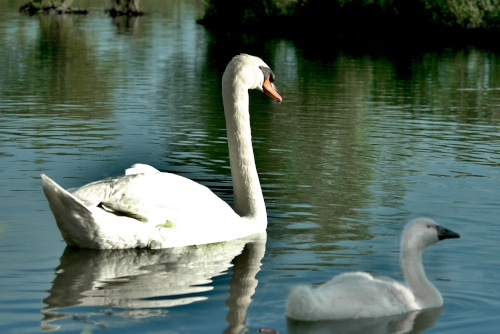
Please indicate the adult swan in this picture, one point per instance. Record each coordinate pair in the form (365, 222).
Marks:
(147, 208)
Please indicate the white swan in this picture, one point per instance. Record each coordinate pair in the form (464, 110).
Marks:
(146, 208)
(360, 295)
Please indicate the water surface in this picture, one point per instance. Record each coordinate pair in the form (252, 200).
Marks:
(363, 142)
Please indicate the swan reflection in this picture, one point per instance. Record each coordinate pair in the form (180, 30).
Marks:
(142, 281)
(412, 322)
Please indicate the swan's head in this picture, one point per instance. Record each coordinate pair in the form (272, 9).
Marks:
(423, 232)
(251, 73)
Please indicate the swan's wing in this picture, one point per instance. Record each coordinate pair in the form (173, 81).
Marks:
(338, 298)
(161, 198)
(364, 296)
(74, 218)
(150, 209)
(350, 295)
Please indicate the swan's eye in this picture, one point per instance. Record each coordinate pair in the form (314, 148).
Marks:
(271, 76)
(267, 73)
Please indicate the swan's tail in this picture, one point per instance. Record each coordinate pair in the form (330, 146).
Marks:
(71, 214)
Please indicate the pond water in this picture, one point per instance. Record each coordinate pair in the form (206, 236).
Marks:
(364, 141)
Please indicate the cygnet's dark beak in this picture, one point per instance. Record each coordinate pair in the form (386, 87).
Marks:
(444, 233)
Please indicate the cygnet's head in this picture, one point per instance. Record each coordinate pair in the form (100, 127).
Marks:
(252, 73)
(423, 232)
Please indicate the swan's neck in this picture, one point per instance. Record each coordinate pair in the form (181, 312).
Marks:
(248, 198)
(426, 294)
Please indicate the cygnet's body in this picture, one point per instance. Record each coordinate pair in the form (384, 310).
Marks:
(360, 295)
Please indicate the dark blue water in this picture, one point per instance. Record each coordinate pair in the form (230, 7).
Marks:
(361, 144)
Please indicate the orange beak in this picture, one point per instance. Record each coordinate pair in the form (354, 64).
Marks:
(270, 90)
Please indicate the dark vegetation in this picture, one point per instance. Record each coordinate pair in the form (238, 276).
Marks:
(346, 19)
(117, 8)
(125, 7)
(51, 7)
(324, 22)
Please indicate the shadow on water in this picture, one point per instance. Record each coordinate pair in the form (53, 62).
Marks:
(141, 283)
(413, 322)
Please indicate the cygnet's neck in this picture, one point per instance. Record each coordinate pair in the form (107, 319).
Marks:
(426, 294)
(248, 198)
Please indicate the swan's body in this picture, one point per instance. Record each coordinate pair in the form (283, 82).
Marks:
(147, 208)
(360, 295)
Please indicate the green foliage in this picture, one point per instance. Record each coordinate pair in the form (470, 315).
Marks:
(475, 14)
